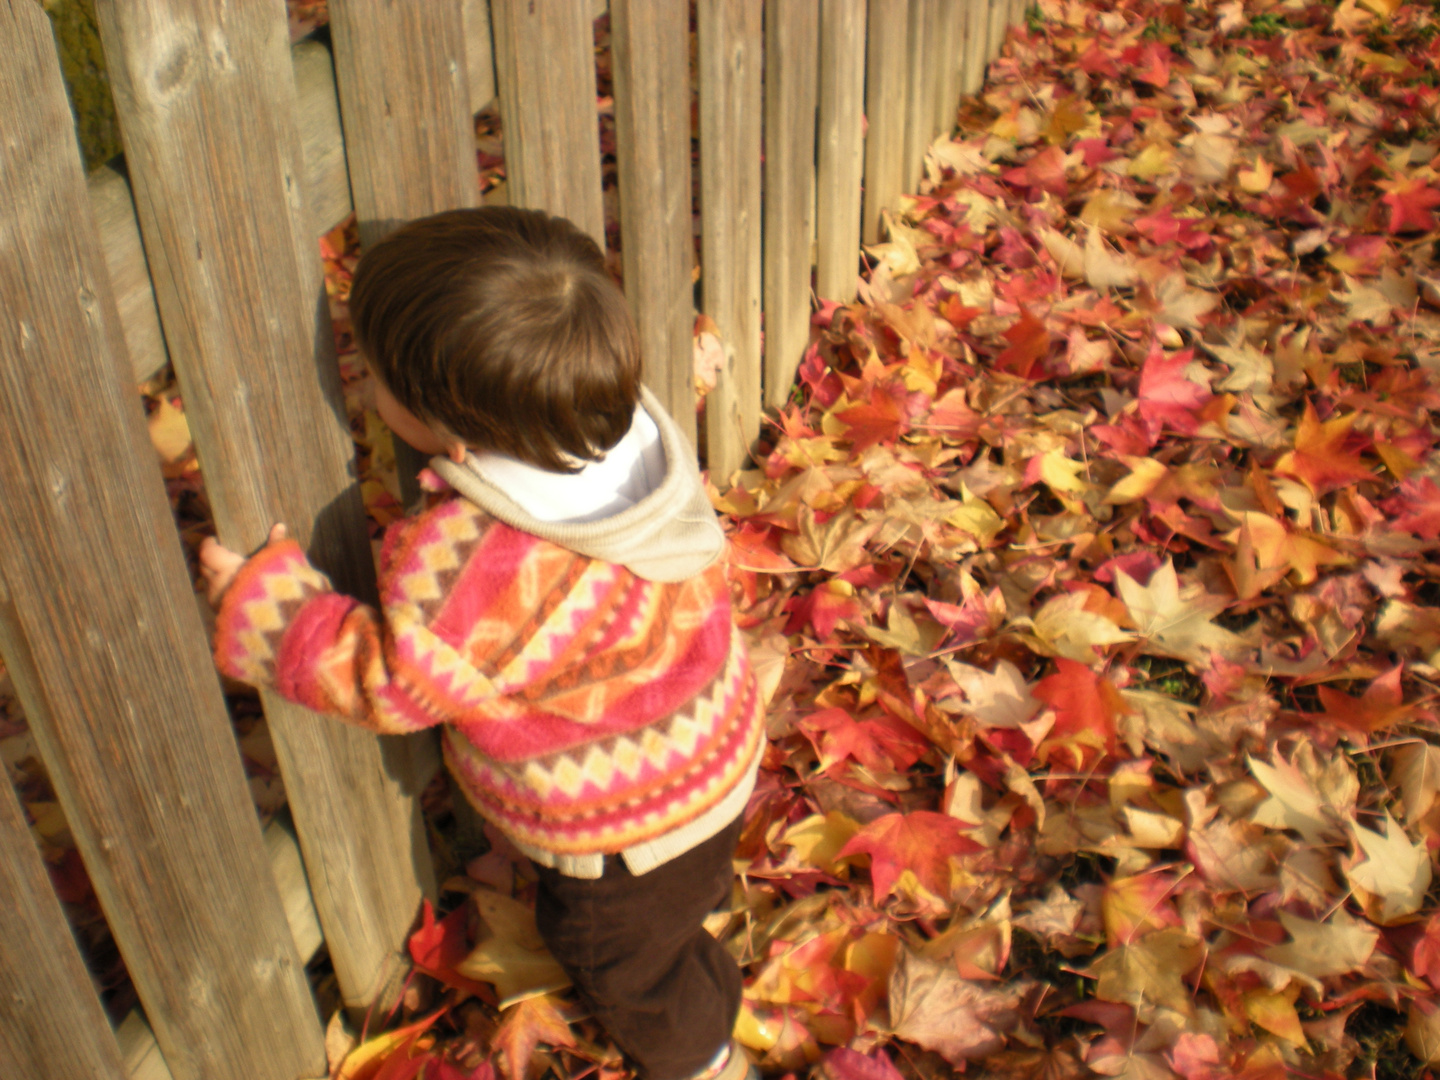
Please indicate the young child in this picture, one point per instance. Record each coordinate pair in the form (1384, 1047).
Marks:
(562, 612)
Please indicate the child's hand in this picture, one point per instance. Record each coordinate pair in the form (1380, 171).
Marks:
(219, 565)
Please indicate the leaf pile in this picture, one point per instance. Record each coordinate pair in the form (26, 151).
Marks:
(1092, 573)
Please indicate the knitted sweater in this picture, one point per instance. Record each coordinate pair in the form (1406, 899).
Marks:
(588, 710)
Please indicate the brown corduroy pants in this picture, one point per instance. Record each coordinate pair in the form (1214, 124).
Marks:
(664, 989)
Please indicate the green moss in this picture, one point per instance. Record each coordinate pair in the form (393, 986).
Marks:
(82, 63)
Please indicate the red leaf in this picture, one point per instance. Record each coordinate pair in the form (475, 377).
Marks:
(1043, 172)
(1167, 398)
(1323, 456)
(1417, 508)
(437, 947)
(882, 420)
(1086, 706)
(525, 1026)
(921, 842)
(822, 607)
(1410, 201)
(1029, 343)
(882, 744)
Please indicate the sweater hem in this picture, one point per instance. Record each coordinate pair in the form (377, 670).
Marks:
(646, 856)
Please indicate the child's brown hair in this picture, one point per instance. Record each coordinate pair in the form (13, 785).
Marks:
(502, 325)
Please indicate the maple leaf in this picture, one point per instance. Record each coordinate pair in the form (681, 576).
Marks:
(1086, 706)
(1321, 458)
(882, 419)
(1296, 802)
(922, 842)
(1135, 905)
(525, 1026)
(1167, 397)
(842, 1063)
(1416, 508)
(1411, 201)
(392, 1051)
(1000, 699)
(1321, 950)
(822, 607)
(1150, 971)
(1394, 875)
(1176, 623)
(1417, 773)
(881, 744)
(438, 949)
(1029, 344)
(931, 1005)
(1171, 301)
(1381, 706)
(513, 955)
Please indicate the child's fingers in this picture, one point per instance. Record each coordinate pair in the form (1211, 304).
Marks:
(278, 532)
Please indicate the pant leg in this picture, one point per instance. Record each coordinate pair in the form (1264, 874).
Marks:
(664, 989)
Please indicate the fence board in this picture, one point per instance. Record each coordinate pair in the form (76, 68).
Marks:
(999, 23)
(102, 636)
(651, 44)
(951, 36)
(237, 275)
(545, 71)
(51, 1022)
(977, 40)
(886, 66)
(920, 72)
(731, 45)
(841, 149)
(405, 104)
(792, 30)
(479, 53)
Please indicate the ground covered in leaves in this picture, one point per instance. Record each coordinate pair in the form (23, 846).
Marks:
(1090, 573)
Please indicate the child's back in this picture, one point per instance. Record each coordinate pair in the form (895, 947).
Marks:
(561, 610)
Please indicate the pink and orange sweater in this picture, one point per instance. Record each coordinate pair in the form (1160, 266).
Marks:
(587, 710)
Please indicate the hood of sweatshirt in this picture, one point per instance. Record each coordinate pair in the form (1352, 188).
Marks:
(669, 535)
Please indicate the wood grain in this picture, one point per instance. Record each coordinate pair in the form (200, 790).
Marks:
(920, 72)
(405, 105)
(141, 1053)
(327, 176)
(792, 29)
(545, 70)
(651, 50)
(731, 46)
(886, 67)
(841, 149)
(977, 40)
(206, 99)
(102, 636)
(51, 1022)
(479, 53)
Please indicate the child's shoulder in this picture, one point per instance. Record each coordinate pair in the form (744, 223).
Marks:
(444, 520)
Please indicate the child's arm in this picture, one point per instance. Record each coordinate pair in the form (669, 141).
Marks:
(279, 623)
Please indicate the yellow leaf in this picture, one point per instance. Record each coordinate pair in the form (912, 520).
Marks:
(169, 432)
(1395, 874)
(819, 838)
(1144, 475)
(512, 956)
(1276, 1014)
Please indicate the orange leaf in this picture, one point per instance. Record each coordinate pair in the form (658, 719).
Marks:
(921, 842)
(525, 1026)
(1321, 458)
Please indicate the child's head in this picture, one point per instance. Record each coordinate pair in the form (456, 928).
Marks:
(502, 327)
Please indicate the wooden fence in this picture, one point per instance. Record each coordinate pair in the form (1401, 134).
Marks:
(203, 253)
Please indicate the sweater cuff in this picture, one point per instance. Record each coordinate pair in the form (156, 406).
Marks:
(259, 606)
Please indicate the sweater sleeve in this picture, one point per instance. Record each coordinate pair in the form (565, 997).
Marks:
(282, 625)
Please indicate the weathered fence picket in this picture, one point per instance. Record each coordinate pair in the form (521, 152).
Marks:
(101, 634)
(650, 46)
(53, 1023)
(237, 161)
(545, 74)
(731, 47)
(791, 82)
(840, 152)
(232, 252)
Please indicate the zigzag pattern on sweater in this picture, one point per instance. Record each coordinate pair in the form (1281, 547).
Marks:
(586, 710)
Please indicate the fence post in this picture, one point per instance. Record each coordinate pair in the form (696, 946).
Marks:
(977, 40)
(405, 104)
(51, 1022)
(791, 84)
(887, 40)
(920, 70)
(841, 147)
(545, 77)
(731, 55)
(102, 635)
(651, 50)
(207, 103)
